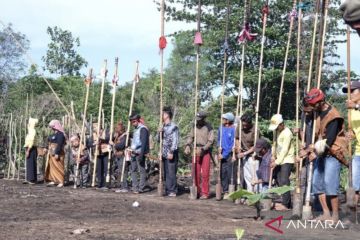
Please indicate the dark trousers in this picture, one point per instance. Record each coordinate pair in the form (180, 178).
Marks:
(31, 165)
(120, 162)
(101, 169)
(282, 173)
(170, 170)
(138, 165)
(227, 170)
(83, 174)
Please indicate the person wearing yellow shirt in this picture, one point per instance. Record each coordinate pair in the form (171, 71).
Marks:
(354, 105)
(284, 157)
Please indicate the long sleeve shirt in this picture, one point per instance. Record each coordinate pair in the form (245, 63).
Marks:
(140, 141)
(285, 148)
(59, 139)
(264, 168)
(227, 140)
(170, 138)
(204, 137)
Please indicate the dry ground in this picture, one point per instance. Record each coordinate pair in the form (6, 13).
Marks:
(40, 212)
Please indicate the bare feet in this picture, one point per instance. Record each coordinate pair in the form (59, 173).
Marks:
(280, 207)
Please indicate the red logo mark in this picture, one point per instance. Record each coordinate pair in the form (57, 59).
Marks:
(277, 229)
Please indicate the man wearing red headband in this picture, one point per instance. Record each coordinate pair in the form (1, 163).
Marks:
(328, 153)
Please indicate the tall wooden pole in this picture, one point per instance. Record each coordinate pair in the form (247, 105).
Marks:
(136, 79)
(114, 83)
(82, 140)
(103, 75)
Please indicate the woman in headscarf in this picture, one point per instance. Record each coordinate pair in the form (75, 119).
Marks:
(54, 172)
(31, 152)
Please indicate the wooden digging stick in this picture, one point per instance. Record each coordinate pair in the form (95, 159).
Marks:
(161, 164)
(297, 189)
(10, 145)
(286, 58)
(135, 81)
(103, 76)
(350, 192)
(114, 84)
(218, 184)
(259, 80)
(306, 208)
(82, 139)
(193, 188)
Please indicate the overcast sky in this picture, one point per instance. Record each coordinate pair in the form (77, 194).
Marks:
(108, 28)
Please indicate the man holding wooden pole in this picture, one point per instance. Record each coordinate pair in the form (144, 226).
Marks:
(170, 152)
(139, 148)
(329, 152)
(285, 157)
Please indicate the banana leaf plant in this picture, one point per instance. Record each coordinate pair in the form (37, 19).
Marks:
(255, 198)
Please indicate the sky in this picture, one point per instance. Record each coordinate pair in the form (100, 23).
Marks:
(107, 29)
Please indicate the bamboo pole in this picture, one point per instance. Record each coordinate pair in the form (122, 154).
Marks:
(313, 46)
(136, 79)
(15, 156)
(114, 83)
(218, 184)
(161, 165)
(103, 76)
(307, 208)
(20, 147)
(286, 57)
(260, 77)
(82, 139)
(193, 190)
(10, 145)
(297, 98)
(239, 105)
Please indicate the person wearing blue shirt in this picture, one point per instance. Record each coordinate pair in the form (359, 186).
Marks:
(225, 149)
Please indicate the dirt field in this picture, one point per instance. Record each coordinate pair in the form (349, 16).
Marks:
(40, 212)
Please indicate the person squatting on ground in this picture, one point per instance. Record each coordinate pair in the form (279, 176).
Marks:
(263, 152)
(225, 150)
(31, 144)
(328, 153)
(54, 172)
(170, 151)
(83, 171)
(139, 149)
(354, 106)
(283, 159)
(204, 142)
(246, 149)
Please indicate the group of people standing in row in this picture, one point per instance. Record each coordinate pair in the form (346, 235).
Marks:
(259, 159)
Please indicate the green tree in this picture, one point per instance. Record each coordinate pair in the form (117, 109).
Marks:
(61, 56)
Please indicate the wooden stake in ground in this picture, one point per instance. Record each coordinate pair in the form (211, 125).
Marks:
(82, 140)
(239, 113)
(306, 214)
(350, 191)
(135, 81)
(103, 76)
(265, 14)
(197, 42)
(218, 184)
(114, 84)
(297, 201)
(10, 146)
(162, 38)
